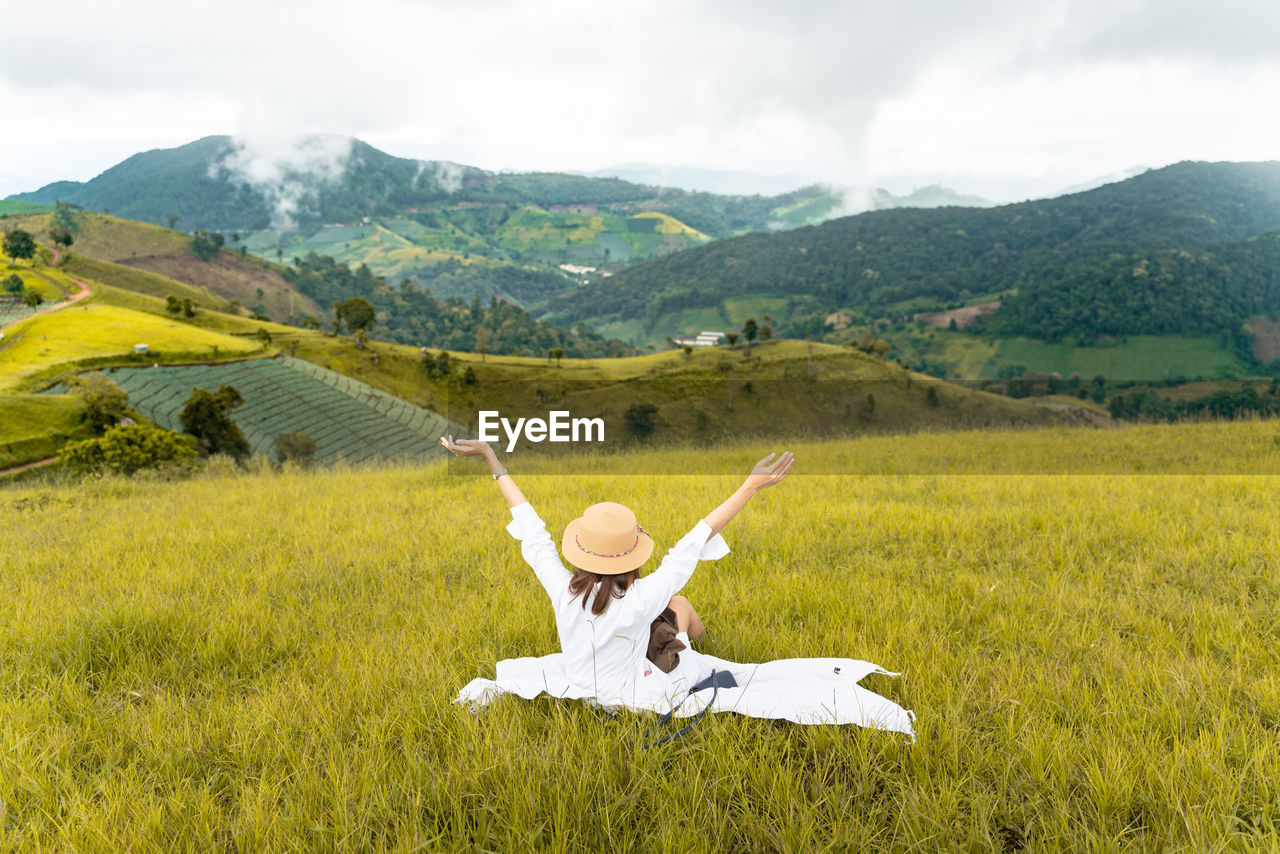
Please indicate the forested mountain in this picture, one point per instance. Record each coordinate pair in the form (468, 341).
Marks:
(1057, 254)
(1207, 291)
(458, 230)
(217, 183)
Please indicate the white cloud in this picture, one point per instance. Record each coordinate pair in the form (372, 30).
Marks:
(814, 87)
(285, 169)
(1054, 129)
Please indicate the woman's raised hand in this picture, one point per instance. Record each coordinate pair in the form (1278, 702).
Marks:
(768, 473)
(466, 447)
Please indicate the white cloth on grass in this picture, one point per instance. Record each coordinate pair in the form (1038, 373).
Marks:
(603, 657)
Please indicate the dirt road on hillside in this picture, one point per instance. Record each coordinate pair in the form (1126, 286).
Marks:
(85, 291)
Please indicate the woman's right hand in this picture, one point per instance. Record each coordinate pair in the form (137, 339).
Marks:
(467, 447)
(766, 473)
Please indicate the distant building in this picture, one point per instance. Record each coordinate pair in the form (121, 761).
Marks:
(703, 339)
(141, 349)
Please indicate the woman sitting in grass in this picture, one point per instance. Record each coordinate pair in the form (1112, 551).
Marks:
(606, 613)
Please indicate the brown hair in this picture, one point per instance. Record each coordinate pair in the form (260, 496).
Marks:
(611, 587)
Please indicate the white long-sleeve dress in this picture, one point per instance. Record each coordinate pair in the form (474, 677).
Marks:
(602, 657)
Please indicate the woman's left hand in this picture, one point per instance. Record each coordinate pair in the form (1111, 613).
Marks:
(466, 447)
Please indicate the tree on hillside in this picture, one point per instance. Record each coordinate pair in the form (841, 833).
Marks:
(19, 245)
(206, 244)
(357, 314)
(205, 416)
(60, 235)
(481, 343)
(64, 216)
(750, 330)
(436, 366)
(32, 299)
(556, 353)
(104, 401)
(13, 284)
(173, 305)
(188, 308)
(172, 220)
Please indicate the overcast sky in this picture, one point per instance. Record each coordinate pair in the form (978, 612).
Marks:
(1004, 99)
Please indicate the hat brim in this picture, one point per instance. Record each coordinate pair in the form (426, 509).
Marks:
(633, 559)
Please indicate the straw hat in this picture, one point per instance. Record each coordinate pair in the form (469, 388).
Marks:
(606, 540)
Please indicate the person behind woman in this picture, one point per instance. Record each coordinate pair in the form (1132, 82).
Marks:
(604, 607)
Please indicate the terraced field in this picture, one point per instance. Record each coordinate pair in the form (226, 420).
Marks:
(348, 419)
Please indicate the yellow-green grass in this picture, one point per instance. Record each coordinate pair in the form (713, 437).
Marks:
(34, 427)
(94, 332)
(670, 225)
(37, 281)
(113, 239)
(266, 662)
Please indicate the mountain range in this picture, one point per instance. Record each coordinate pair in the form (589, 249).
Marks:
(1183, 250)
(1179, 250)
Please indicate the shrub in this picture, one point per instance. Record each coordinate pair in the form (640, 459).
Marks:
(126, 449)
(295, 446)
(639, 418)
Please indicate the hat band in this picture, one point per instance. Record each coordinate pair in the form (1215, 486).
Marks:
(579, 544)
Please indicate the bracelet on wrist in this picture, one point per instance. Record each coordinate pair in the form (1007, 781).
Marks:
(499, 473)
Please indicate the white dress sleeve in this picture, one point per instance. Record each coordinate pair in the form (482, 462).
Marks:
(538, 550)
(655, 590)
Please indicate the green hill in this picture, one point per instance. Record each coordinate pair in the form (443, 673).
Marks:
(230, 276)
(1058, 264)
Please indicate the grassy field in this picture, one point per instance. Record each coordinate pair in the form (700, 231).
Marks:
(1139, 357)
(266, 662)
(33, 427)
(110, 238)
(97, 331)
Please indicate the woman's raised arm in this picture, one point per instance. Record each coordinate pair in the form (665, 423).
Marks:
(476, 448)
(764, 474)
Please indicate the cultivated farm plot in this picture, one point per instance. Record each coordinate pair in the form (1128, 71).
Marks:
(348, 419)
(13, 308)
